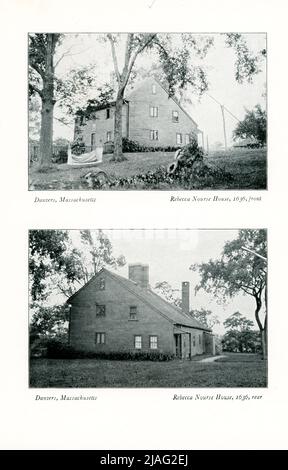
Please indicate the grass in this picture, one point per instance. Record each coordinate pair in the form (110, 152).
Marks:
(248, 166)
(235, 370)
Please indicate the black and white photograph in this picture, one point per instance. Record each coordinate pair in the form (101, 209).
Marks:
(148, 308)
(147, 111)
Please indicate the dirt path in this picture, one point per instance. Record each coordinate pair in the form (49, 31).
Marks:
(211, 359)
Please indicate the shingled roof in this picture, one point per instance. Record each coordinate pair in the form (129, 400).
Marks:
(172, 313)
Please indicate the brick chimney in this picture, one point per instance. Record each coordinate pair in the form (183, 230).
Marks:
(185, 297)
(139, 273)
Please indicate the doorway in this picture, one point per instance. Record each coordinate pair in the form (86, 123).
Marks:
(178, 345)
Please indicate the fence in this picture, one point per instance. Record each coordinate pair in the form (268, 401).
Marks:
(60, 153)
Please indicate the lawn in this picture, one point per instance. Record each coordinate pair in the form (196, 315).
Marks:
(248, 167)
(235, 370)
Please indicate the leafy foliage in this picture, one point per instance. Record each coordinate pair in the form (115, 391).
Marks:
(58, 350)
(240, 337)
(239, 271)
(48, 254)
(205, 317)
(247, 63)
(253, 125)
(165, 290)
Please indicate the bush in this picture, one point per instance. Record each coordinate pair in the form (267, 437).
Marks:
(58, 350)
(78, 147)
(132, 146)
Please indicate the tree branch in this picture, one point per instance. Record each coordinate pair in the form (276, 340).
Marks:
(37, 69)
(134, 57)
(114, 59)
(35, 88)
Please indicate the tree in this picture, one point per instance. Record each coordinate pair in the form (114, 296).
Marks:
(253, 125)
(48, 253)
(165, 290)
(205, 317)
(239, 271)
(240, 335)
(42, 49)
(44, 83)
(174, 55)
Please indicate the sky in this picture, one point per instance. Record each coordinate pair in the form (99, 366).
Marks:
(86, 49)
(169, 254)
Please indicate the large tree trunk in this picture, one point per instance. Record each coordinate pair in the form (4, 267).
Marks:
(263, 330)
(118, 153)
(48, 101)
(46, 134)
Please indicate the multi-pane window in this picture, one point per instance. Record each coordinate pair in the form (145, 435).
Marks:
(133, 312)
(100, 338)
(108, 114)
(153, 89)
(138, 342)
(194, 341)
(153, 111)
(187, 139)
(178, 138)
(154, 135)
(175, 116)
(100, 310)
(153, 342)
(109, 136)
(93, 139)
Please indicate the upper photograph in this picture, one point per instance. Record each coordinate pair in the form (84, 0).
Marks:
(147, 111)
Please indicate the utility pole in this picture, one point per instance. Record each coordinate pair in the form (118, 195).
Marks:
(207, 141)
(224, 126)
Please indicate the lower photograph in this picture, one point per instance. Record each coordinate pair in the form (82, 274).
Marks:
(148, 308)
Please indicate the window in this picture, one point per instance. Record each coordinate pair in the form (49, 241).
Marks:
(153, 89)
(108, 113)
(194, 342)
(100, 310)
(93, 139)
(100, 338)
(153, 342)
(153, 111)
(138, 342)
(199, 339)
(187, 139)
(100, 284)
(109, 136)
(154, 135)
(175, 116)
(179, 138)
(133, 312)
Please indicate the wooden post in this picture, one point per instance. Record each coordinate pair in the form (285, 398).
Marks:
(224, 126)
(202, 140)
(207, 145)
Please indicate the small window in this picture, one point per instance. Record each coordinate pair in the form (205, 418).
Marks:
(100, 311)
(133, 312)
(154, 135)
(108, 114)
(153, 111)
(199, 339)
(93, 140)
(109, 136)
(100, 284)
(138, 342)
(179, 138)
(100, 338)
(175, 116)
(187, 139)
(153, 89)
(153, 342)
(194, 341)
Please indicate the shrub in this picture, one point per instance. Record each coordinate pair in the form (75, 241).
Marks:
(57, 350)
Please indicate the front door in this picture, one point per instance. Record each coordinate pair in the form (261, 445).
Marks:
(178, 345)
